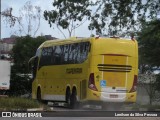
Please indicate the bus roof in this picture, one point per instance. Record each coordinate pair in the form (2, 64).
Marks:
(76, 40)
(63, 41)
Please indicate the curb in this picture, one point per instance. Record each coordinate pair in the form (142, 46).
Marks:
(26, 110)
(35, 109)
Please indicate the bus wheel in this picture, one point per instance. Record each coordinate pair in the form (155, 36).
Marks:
(39, 95)
(73, 100)
(39, 98)
(68, 94)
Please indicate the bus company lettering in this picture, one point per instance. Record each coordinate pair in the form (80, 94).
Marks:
(74, 70)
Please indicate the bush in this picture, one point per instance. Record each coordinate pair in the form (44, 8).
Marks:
(18, 103)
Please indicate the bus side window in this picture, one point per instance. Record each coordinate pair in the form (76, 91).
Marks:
(62, 53)
(57, 55)
(77, 52)
(66, 54)
(46, 57)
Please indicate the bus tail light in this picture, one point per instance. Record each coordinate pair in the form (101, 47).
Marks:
(91, 82)
(134, 86)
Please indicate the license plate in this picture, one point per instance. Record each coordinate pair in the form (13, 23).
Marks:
(113, 96)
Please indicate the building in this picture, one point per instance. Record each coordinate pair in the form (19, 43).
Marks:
(49, 37)
(6, 44)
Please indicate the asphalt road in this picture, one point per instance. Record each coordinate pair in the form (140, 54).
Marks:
(83, 118)
(79, 115)
(85, 113)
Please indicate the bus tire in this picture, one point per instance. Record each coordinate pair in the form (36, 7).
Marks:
(68, 94)
(39, 98)
(73, 100)
(39, 95)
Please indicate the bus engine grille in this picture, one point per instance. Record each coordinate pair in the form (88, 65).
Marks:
(114, 68)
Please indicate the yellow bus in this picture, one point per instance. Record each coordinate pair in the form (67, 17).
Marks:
(86, 69)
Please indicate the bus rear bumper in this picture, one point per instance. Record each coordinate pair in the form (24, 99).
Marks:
(112, 97)
(118, 97)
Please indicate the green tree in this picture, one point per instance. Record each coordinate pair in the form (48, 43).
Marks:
(117, 16)
(158, 83)
(149, 59)
(68, 14)
(149, 45)
(105, 16)
(148, 81)
(23, 50)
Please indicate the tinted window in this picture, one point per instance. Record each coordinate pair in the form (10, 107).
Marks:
(46, 56)
(38, 52)
(65, 54)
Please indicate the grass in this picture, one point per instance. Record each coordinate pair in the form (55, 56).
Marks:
(151, 107)
(147, 106)
(18, 103)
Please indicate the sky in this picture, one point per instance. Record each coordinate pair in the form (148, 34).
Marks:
(45, 28)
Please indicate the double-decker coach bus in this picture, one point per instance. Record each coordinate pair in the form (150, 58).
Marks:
(86, 69)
